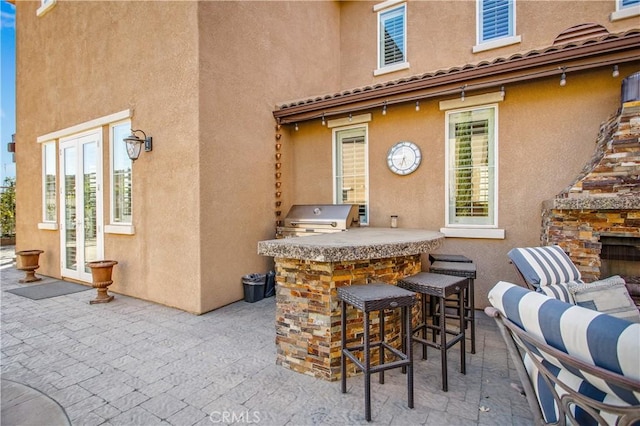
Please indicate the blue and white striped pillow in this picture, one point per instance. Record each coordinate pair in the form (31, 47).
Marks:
(545, 265)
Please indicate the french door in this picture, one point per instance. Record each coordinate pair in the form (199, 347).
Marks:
(81, 236)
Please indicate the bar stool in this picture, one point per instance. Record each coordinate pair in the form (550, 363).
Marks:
(467, 270)
(438, 286)
(368, 298)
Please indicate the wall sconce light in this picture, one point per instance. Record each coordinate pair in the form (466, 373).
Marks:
(502, 91)
(417, 105)
(462, 93)
(616, 72)
(134, 144)
(324, 122)
(563, 78)
(384, 108)
(296, 127)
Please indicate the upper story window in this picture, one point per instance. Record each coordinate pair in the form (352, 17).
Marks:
(392, 38)
(625, 9)
(45, 6)
(471, 167)
(496, 26)
(121, 176)
(350, 169)
(49, 210)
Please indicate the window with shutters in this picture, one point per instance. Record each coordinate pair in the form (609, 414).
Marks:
(350, 169)
(496, 26)
(392, 39)
(471, 167)
(626, 9)
(50, 211)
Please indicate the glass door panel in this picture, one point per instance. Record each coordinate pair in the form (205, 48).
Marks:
(82, 238)
(69, 220)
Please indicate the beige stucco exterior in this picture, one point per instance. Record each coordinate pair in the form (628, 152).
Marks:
(203, 79)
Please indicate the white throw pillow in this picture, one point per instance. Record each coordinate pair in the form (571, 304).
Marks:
(609, 296)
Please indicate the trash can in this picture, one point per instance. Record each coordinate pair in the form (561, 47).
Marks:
(270, 285)
(253, 287)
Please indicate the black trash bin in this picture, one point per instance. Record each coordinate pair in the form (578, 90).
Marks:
(270, 285)
(253, 287)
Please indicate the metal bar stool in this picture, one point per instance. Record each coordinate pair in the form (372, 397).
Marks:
(368, 298)
(467, 270)
(438, 286)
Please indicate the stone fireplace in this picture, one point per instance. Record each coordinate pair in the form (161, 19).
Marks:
(596, 220)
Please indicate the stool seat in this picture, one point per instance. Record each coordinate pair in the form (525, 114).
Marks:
(459, 269)
(438, 257)
(438, 286)
(376, 297)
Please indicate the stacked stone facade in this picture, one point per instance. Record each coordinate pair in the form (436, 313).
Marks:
(308, 319)
(604, 199)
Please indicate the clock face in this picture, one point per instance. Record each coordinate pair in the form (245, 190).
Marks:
(404, 158)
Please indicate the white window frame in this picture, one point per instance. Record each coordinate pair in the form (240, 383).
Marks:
(45, 6)
(494, 43)
(384, 9)
(49, 223)
(470, 229)
(623, 12)
(337, 192)
(114, 227)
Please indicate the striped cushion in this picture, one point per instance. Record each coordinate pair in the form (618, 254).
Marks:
(590, 336)
(558, 291)
(546, 265)
(548, 404)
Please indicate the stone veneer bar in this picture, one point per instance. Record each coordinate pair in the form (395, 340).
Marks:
(308, 272)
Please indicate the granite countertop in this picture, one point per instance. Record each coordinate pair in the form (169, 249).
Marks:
(354, 244)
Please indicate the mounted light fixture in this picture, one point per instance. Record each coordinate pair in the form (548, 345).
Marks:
(417, 105)
(563, 78)
(324, 122)
(616, 72)
(134, 144)
(502, 91)
(462, 93)
(384, 108)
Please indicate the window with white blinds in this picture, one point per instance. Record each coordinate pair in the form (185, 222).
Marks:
(496, 19)
(350, 169)
(49, 172)
(627, 3)
(392, 37)
(471, 147)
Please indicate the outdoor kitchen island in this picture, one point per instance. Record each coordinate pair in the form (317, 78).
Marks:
(309, 269)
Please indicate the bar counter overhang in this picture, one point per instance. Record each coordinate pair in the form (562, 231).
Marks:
(309, 270)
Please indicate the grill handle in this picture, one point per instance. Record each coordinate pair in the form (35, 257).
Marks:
(314, 222)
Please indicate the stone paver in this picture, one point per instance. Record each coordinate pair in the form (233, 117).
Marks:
(132, 362)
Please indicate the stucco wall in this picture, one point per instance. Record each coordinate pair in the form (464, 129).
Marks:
(84, 60)
(441, 34)
(546, 134)
(280, 50)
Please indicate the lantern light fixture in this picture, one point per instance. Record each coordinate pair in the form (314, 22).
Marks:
(134, 144)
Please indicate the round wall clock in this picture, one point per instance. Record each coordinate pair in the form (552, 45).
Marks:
(404, 158)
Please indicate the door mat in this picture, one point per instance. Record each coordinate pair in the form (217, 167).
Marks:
(45, 291)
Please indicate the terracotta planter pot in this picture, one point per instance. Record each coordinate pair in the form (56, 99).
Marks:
(28, 261)
(101, 275)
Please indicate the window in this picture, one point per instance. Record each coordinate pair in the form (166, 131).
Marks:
(45, 6)
(471, 168)
(121, 176)
(626, 9)
(350, 169)
(49, 211)
(392, 50)
(496, 25)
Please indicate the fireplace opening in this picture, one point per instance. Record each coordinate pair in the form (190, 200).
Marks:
(621, 256)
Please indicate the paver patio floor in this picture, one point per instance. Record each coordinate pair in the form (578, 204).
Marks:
(132, 362)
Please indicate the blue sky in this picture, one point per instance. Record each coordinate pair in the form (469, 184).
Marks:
(7, 86)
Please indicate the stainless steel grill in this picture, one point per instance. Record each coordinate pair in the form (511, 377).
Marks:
(313, 219)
